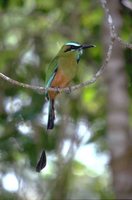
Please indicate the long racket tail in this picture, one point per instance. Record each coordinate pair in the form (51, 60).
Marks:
(51, 116)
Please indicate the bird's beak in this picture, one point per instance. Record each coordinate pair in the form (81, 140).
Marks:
(85, 46)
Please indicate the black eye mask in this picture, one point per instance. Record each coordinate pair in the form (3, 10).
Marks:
(72, 47)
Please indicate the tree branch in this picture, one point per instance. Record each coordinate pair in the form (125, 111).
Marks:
(17, 83)
(112, 26)
(123, 43)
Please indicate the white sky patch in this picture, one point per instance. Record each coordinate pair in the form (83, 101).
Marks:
(88, 156)
(83, 131)
(30, 57)
(66, 146)
(12, 105)
(10, 182)
(24, 127)
(43, 117)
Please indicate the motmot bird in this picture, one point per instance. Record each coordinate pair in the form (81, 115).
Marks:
(61, 72)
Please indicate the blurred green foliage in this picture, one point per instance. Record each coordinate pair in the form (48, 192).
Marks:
(31, 33)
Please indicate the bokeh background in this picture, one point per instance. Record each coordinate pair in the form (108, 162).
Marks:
(89, 152)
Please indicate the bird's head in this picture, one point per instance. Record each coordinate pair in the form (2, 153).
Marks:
(73, 47)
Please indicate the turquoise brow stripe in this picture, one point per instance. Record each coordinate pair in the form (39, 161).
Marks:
(73, 43)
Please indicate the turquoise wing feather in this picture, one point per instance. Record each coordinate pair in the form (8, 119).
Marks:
(50, 72)
(52, 67)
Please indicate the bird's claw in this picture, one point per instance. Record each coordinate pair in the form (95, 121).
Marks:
(57, 89)
(68, 91)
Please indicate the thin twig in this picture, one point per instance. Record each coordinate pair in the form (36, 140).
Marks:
(111, 25)
(123, 43)
(17, 83)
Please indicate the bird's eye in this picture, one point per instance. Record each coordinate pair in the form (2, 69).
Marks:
(71, 47)
(68, 48)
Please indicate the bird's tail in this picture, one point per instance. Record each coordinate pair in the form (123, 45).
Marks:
(51, 116)
(42, 162)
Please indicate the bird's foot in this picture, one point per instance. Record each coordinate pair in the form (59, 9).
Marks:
(68, 91)
(58, 89)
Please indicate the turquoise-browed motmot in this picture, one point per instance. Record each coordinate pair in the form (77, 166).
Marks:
(61, 71)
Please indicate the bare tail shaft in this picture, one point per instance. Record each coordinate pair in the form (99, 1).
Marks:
(51, 116)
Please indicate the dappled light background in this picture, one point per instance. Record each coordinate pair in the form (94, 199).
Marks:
(78, 156)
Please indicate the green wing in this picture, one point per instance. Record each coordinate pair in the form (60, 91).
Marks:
(50, 73)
